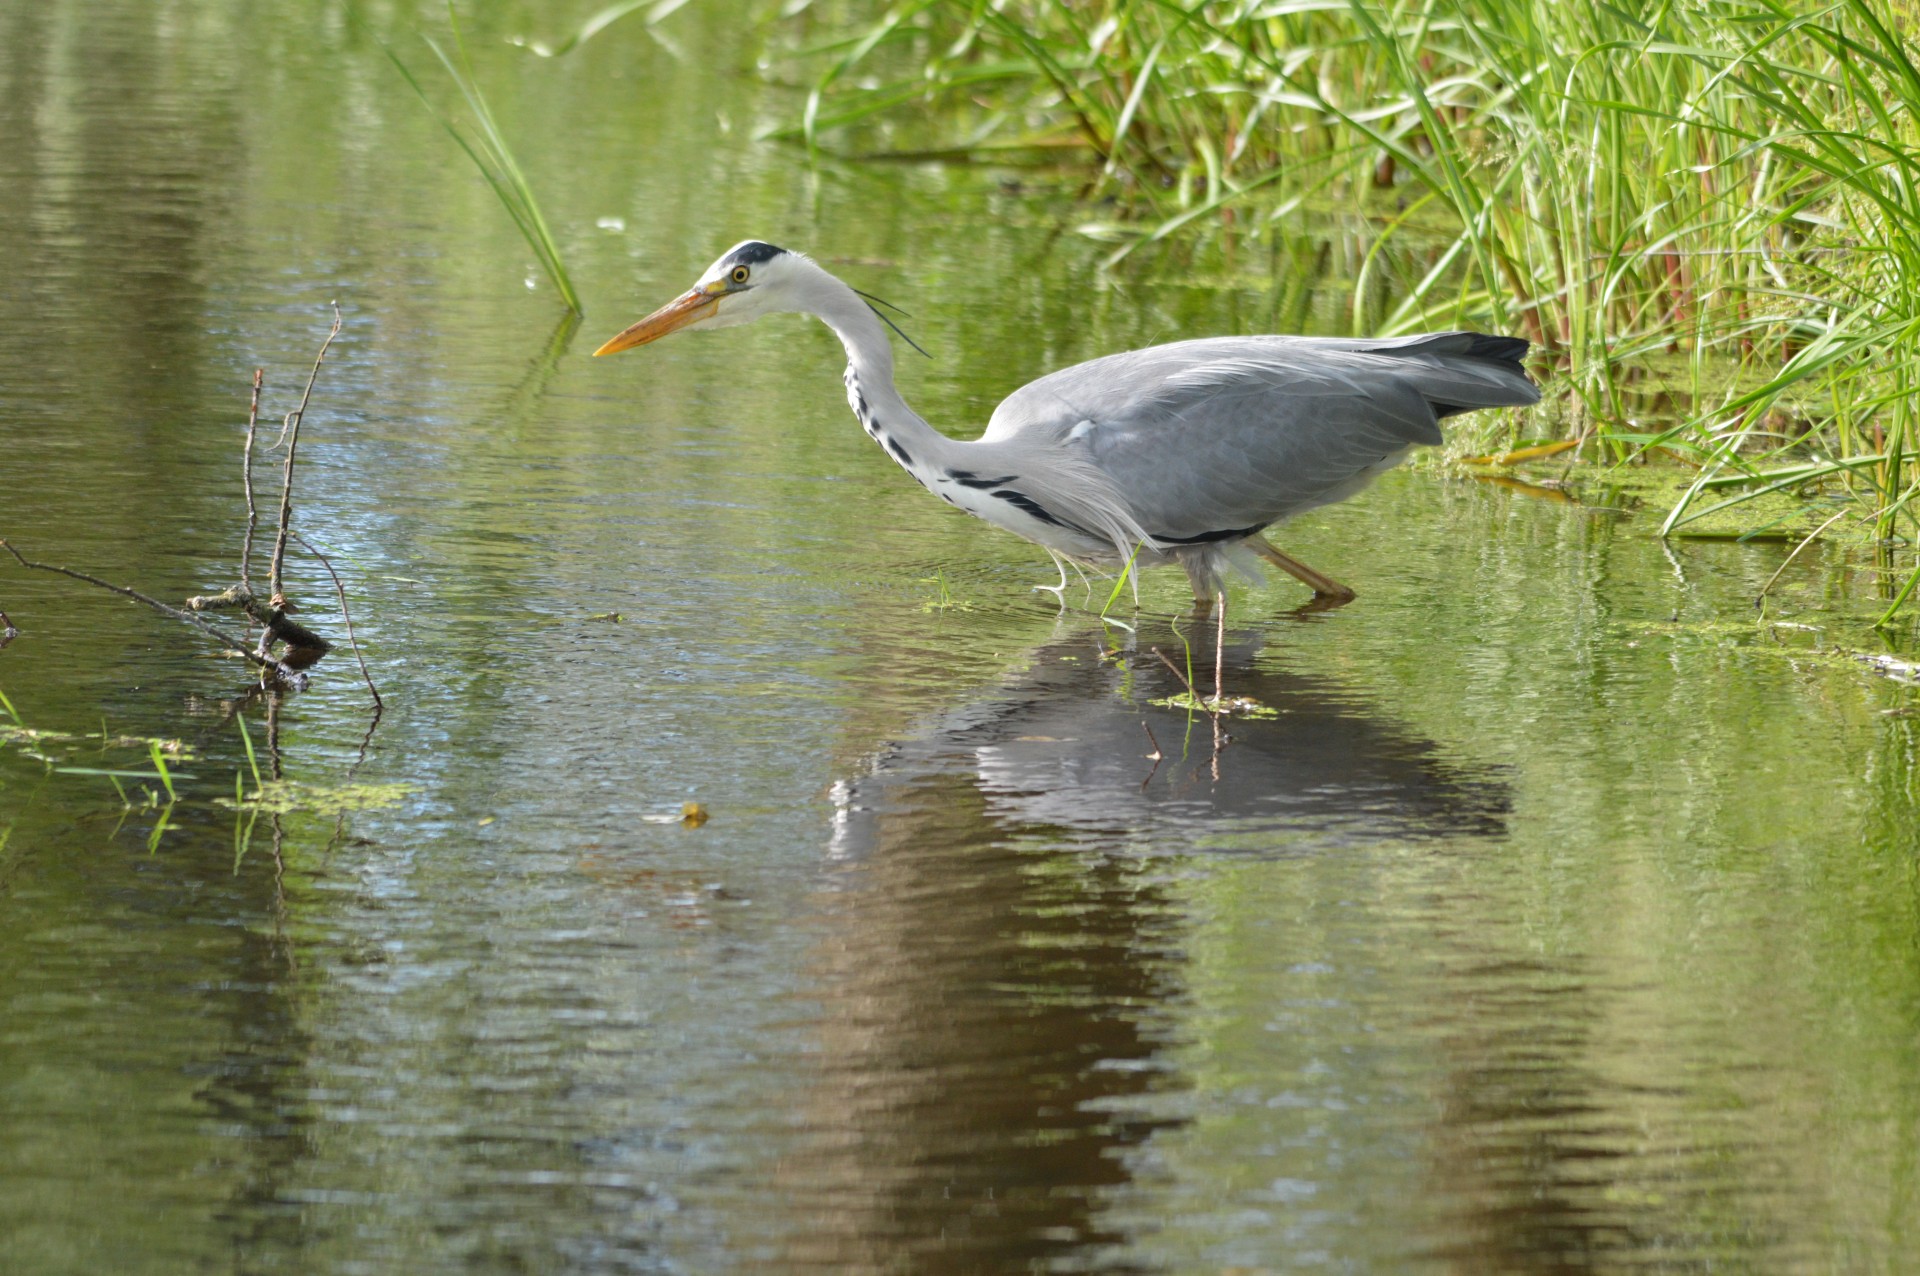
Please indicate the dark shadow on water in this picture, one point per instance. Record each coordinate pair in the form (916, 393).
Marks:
(1003, 970)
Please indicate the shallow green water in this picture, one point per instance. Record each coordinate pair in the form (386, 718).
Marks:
(1561, 918)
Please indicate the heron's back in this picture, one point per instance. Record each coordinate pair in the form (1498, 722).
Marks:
(1220, 436)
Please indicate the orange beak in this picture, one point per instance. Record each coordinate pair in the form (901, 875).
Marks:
(672, 317)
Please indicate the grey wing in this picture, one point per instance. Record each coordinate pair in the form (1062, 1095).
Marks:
(1202, 440)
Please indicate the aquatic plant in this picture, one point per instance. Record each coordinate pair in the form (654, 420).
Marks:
(487, 148)
(289, 797)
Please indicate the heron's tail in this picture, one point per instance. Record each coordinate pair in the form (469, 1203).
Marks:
(1462, 371)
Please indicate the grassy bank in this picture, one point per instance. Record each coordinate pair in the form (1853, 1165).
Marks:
(1733, 185)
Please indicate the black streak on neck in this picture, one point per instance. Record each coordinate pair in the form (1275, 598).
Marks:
(863, 411)
(967, 478)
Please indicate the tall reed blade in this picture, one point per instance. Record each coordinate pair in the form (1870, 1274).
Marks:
(488, 149)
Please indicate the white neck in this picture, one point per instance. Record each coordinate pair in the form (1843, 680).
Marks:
(975, 476)
(920, 449)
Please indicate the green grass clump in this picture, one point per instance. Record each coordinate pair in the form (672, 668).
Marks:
(1734, 184)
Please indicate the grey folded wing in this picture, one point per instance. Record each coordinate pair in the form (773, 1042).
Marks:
(1203, 440)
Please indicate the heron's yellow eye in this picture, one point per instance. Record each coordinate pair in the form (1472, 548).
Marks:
(740, 274)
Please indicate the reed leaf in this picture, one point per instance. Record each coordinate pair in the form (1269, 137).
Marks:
(487, 149)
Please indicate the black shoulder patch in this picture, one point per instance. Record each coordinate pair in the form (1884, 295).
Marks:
(753, 252)
(1021, 501)
(1207, 538)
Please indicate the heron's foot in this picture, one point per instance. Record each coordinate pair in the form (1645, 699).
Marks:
(1338, 596)
(1058, 591)
(1319, 603)
(1326, 590)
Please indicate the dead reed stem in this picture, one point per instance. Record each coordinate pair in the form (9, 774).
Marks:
(290, 433)
(354, 643)
(246, 481)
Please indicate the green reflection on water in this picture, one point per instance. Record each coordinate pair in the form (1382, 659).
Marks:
(1560, 917)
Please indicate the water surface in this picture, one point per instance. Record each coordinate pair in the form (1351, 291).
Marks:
(1557, 916)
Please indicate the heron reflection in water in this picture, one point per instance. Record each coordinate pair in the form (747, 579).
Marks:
(1062, 744)
(1003, 979)
(1183, 453)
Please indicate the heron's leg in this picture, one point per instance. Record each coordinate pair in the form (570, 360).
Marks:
(1203, 582)
(1323, 586)
(1059, 591)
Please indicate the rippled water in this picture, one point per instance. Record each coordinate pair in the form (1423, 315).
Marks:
(1559, 916)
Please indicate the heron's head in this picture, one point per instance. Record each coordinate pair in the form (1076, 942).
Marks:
(750, 279)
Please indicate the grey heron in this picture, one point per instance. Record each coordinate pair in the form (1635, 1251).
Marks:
(1182, 453)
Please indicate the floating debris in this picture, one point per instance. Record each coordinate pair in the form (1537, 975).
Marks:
(690, 814)
(1887, 666)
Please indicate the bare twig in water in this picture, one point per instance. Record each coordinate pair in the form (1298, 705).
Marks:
(1191, 693)
(212, 631)
(290, 433)
(1219, 680)
(1219, 651)
(246, 481)
(1158, 755)
(353, 642)
(302, 645)
(1214, 708)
